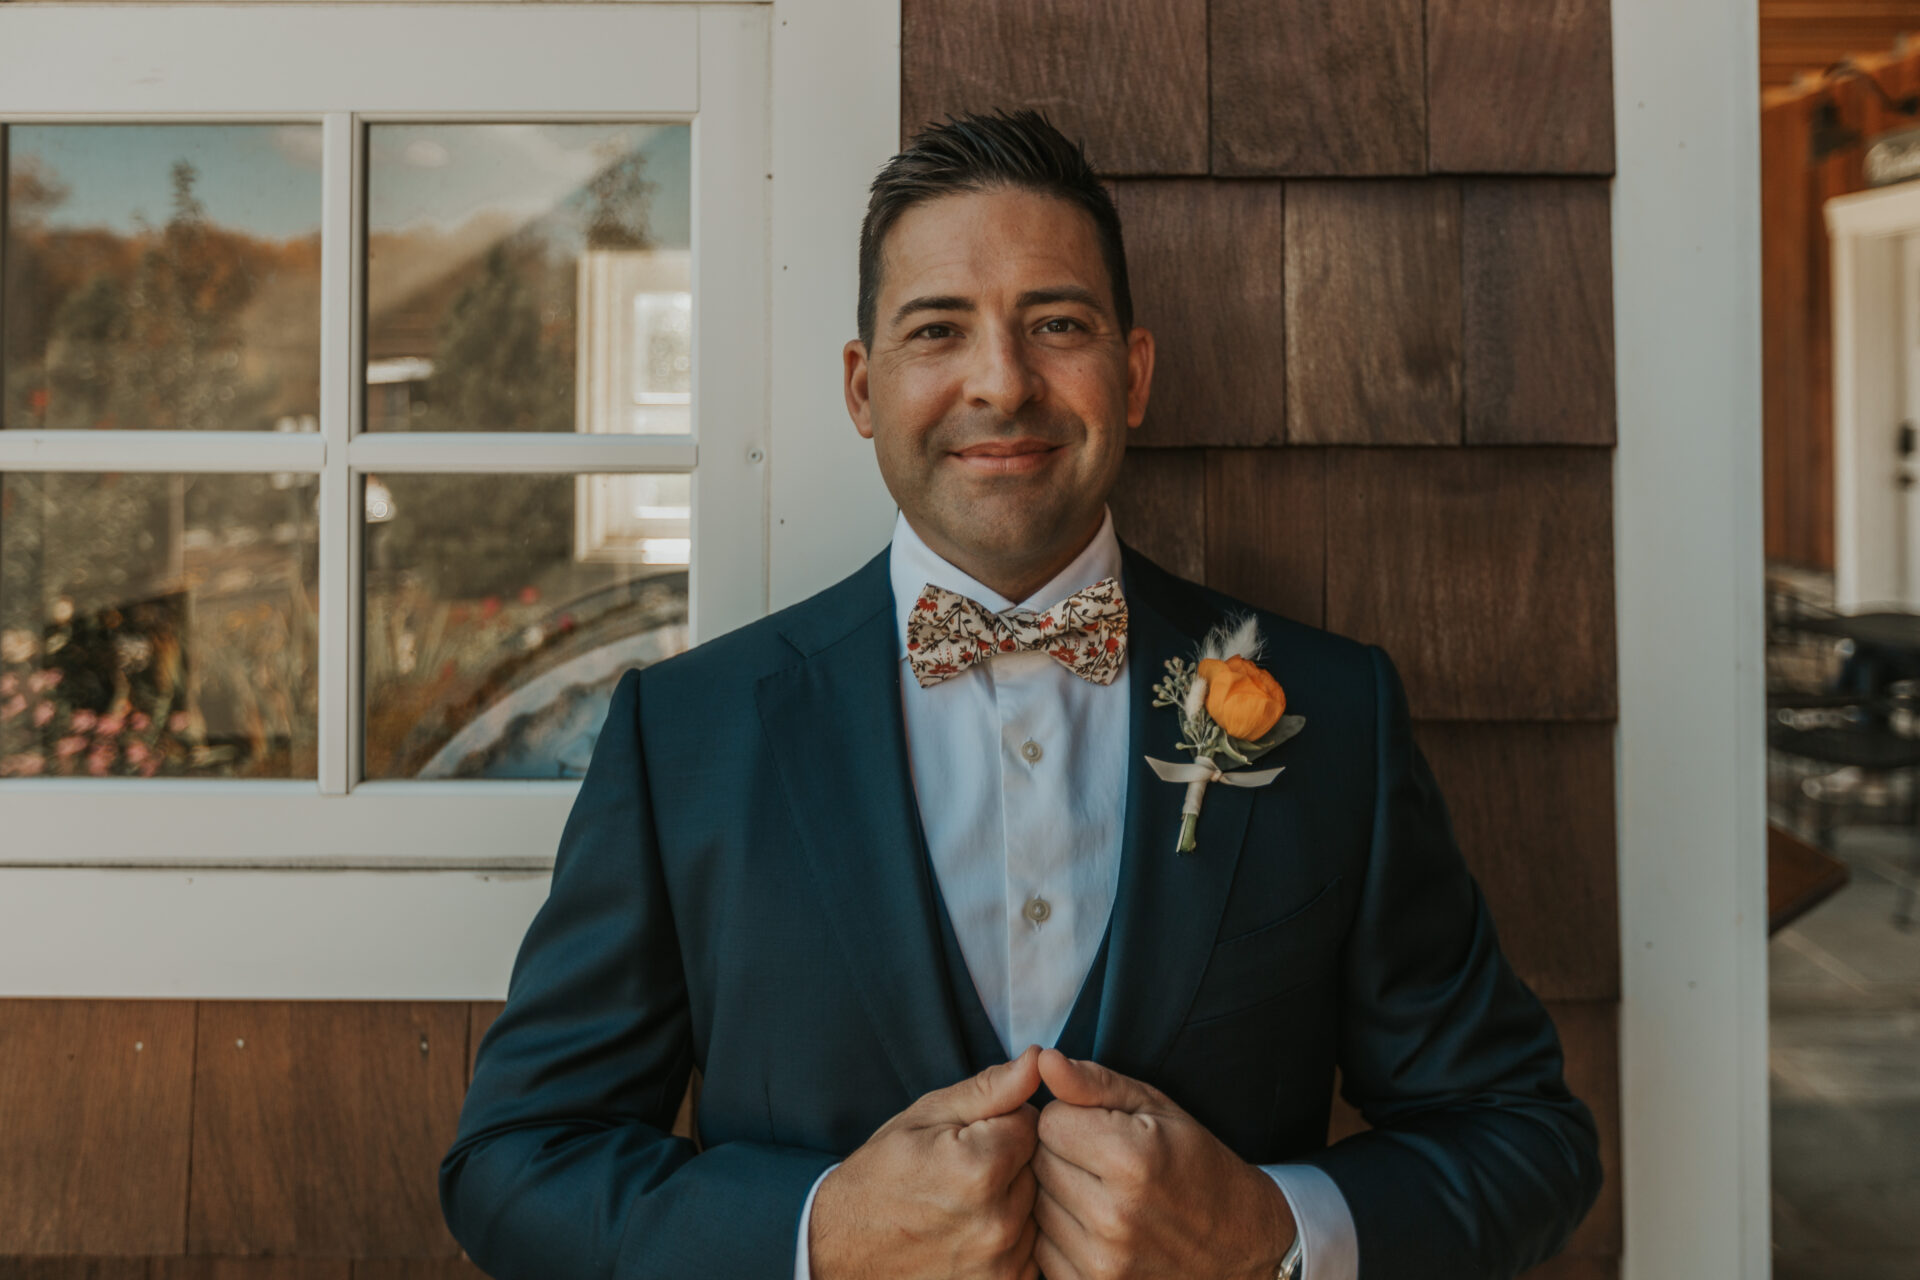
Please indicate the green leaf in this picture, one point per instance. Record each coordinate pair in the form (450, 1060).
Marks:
(1288, 726)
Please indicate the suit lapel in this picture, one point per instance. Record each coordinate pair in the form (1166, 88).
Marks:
(1167, 908)
(834, 727)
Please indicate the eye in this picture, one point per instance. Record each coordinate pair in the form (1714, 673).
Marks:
(937, 330)
(1047, 326)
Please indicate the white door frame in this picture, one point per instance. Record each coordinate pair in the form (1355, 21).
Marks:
(1868, 231)
(1688, 581)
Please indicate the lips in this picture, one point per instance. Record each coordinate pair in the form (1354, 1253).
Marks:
(1006, 457)
(1005, 448)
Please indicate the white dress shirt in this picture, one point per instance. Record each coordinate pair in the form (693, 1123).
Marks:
(1020, 771)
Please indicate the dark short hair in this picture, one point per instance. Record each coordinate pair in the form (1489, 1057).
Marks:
(974, 152)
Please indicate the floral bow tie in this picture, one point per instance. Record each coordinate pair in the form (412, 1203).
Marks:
(1087, 632)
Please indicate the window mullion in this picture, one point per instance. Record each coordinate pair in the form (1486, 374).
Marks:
(167, 451)
(340, 340)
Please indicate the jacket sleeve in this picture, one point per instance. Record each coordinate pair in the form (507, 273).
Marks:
(1479, 1162)
(564, 1163)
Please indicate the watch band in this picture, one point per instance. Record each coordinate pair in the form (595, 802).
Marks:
(1290, 1265)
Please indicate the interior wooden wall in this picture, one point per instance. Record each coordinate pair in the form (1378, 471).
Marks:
(1796, 294)
(1372, 237)
(1799, 36)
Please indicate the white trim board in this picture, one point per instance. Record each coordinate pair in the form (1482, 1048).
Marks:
(263, 935)
(1688, 582)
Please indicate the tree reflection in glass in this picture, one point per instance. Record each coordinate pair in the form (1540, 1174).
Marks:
(162, 276)
(529, 277)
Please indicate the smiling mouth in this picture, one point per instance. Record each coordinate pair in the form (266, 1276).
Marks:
(1007, 456)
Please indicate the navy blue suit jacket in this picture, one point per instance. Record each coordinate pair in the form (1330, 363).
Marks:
(742, 887)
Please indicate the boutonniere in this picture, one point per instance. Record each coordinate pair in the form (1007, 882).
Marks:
(1229, 708)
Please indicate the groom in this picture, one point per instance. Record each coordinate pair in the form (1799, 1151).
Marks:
(890, 868)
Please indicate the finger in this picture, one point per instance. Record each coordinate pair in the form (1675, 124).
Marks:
(1053, 1260)
(1058, 1224)
(1085, 1083)
(1022, 1251)
(1008, 1140)
(1073, 1187)
(999, 1089)
(1094, 1138)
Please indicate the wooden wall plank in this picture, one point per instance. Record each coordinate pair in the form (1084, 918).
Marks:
(1590, 1042)
(1159, 508)
(1318, 87)
(252, 1269)
(1486, 574)
(461, 1268)
(1206, 262)
(1127, 77)
(319, 1127)
(1520, 86)
(73, 1268)
(1532, 809)
(1267, 529)
(1373, 312)
(1537, 284)
(96, 1100)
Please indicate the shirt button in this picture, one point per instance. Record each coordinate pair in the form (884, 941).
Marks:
(1031, 750)
(1037, 910)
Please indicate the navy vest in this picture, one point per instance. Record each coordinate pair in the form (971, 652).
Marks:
(976, 1030)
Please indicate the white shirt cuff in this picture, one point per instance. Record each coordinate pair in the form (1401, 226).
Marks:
(1329, 1248)
(803, 1265)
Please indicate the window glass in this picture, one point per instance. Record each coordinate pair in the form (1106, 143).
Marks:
(158, 625)
(161, 276)
(502, 609)
(529, 277)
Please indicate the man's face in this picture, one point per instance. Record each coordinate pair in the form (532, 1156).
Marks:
(999, 387)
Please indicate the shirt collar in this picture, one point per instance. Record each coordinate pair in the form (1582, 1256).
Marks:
(913, 564)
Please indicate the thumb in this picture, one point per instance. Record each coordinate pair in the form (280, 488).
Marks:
(998, 1090)
(1081, 1082)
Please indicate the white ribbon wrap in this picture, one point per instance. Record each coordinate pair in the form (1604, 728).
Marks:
(1197, 775)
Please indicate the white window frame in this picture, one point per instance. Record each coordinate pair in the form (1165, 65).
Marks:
(792, 108)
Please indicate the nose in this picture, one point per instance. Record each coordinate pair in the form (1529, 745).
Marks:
(1000, 376)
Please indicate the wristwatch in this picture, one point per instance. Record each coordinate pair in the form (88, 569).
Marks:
(1290, 1265)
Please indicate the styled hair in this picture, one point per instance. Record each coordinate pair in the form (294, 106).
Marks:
(975, 152)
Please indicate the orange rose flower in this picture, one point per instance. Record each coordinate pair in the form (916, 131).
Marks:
(1241, 698)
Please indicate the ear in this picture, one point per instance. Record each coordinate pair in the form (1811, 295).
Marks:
(1139, 373)
(853, 357)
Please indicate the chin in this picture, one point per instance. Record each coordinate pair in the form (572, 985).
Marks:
(1006, 530)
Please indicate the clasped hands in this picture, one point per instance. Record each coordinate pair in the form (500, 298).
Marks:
(1111, 1180)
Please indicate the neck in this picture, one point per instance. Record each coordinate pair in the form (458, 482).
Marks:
(1016, 579)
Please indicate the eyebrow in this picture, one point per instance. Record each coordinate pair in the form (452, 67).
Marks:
(1031, 298)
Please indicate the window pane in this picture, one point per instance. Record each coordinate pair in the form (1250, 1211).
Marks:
(162, 276)
(158, 625)
(501, 610)
(527, 277)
